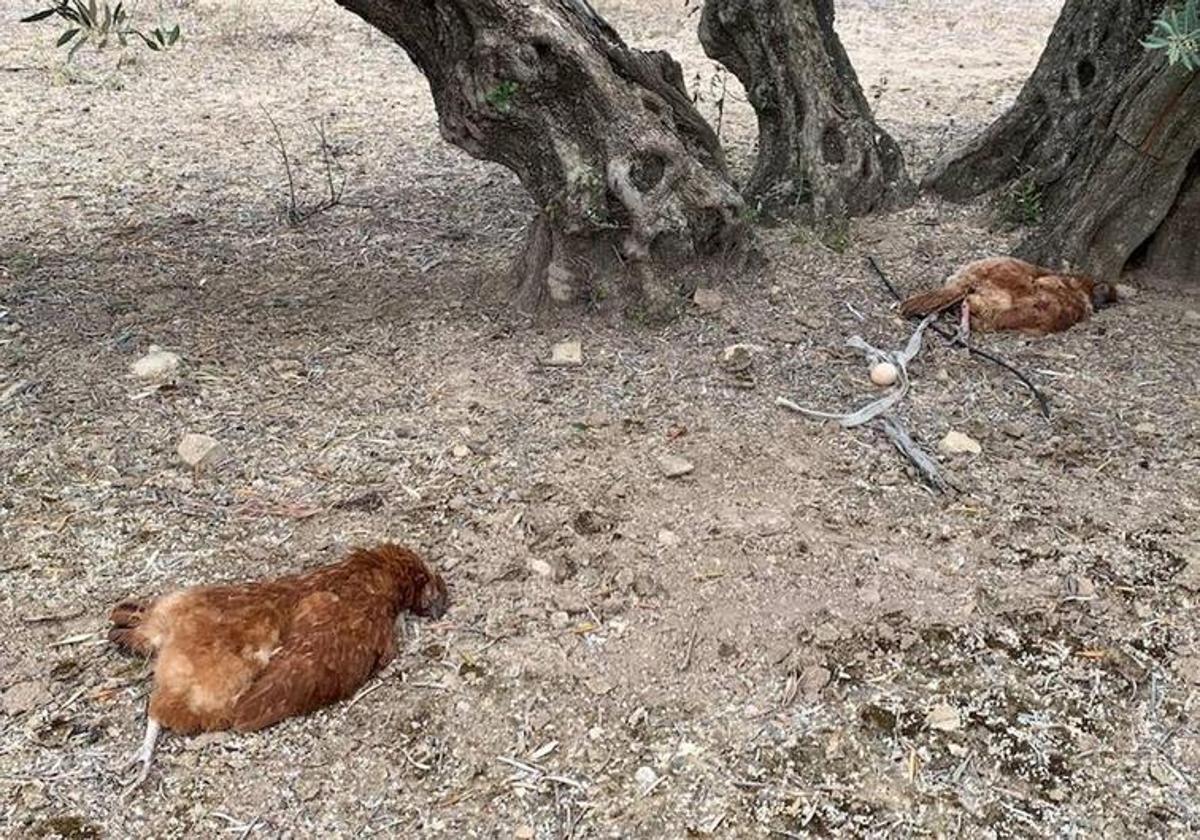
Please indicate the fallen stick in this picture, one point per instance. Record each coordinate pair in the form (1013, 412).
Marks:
(1043, 403)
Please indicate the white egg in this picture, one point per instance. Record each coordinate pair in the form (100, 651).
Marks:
(884, 374)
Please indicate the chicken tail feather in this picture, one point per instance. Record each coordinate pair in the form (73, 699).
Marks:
(927, 303)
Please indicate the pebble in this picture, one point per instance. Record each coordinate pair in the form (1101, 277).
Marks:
(559, 620)
(673, 466)
(157, 364)
(708, 301)
(566, 354)
(645, 777)
(1192, 316)
(668, 538)
(25, 697)
(956, 443)
(200, 451)
(1125, 291)
(944, 718)
(813, 679)
(737, 358)
(1079, 587)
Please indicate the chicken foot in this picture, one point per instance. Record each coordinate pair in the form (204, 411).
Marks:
(144, 756)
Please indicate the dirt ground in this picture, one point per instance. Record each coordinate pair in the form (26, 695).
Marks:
(796, 639)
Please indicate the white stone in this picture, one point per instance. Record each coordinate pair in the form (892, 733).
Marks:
(200, 451)
(566, 354)
(673, 466)
(956, 443)
(944, 717)
(157, 364)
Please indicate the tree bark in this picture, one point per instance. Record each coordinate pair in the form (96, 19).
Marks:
(820, 151)
(1092, 48)
(633, 195)
(1132, 184)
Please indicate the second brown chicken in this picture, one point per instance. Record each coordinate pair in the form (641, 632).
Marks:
(244, 656)
(1004, 293)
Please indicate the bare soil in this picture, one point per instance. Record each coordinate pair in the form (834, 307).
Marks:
(797, 639)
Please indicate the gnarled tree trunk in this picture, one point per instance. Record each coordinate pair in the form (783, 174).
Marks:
(1133, 185)
(1094, 45)
(631, 184)
(1110, 136)
(819, 147)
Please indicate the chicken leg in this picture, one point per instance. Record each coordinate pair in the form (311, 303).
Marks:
(144, 756)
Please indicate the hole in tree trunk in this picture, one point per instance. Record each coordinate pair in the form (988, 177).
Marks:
(1086, 71)
(647, 171)
(833, 145)
(1138, 258)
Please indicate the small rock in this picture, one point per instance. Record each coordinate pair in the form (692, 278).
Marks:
(827, 633)
(1192, 316)
(566, 354)
(944, 718)
(1161, 772)
(1079, 588)
(956, 443)
(708, 301)
(813, 679)
(201, 451)
(157, 364)
(645, 586)
(1146, 429)
(1188, 667)
(555, 569)
(673, 466)
(25, 697)
(1125, 291)
(524, 832)
(646, 778)
(668, 538)
(884, 374)
(774, 295)
(460, 450)
(559, 620)
(737, 358)
(1014, 430)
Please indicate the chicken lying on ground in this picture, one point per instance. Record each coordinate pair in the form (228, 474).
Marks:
(1004, 293)
(245, 656)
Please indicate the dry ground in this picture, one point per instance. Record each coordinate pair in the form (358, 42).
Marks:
(795, 640)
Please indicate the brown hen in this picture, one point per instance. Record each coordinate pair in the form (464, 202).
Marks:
(1004, 293)
(245, 656)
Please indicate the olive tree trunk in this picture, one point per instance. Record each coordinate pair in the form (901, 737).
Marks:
(820, 151)
(634, 200)
(1091, 50)
(1109, 135)
(1133, 188)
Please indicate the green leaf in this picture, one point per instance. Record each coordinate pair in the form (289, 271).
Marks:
(75, 49)
(81, 14)
(67, 36)
(36, 16)
(173, 35)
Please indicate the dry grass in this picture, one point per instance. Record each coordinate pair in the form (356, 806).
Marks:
(767, 635)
